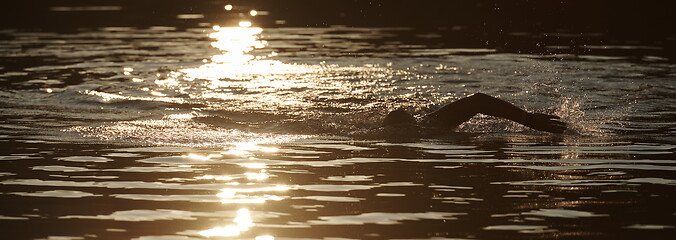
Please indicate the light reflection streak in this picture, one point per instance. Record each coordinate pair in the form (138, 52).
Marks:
(262, 175)
(167, 82)
(253, 165)
(127, 71)
(158, 94)
(174, 130)
(203, 157)
(257, 176)
(247, 148)
(217, 177)
(180, 116)
(234, 195)
(245, 24)
(242, 223)
(108, 97)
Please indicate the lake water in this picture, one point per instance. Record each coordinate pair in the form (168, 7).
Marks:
(274, 133)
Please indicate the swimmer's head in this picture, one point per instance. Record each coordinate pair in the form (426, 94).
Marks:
(399, 117)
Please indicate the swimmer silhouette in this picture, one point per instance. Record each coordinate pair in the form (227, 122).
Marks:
(455, 113)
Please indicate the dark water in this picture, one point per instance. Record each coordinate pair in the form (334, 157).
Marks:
(241, 132)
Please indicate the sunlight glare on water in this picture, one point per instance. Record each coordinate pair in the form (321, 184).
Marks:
(237, 67)
(242, 223)
(244, 76)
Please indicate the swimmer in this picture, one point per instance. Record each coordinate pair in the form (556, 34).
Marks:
(455, 113)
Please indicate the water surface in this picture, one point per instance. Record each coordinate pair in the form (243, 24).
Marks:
(241, 132)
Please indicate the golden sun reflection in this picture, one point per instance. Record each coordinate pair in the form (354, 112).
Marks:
(245, 24)
(257, 176)
(237, 60)
(203, 157)
(236, 42)
(238, 192)
(247, 148)
(244, 65)
(243, 193)
(235, 194)
(242, 223)
(217, 177)
(253, 165)
(180, 116)
(108, 97)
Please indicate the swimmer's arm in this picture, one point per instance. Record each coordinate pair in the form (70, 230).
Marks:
(458, 112)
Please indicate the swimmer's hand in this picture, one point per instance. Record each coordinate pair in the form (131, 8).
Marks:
(544, 122)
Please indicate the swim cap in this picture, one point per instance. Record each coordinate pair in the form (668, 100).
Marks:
(399, 117)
